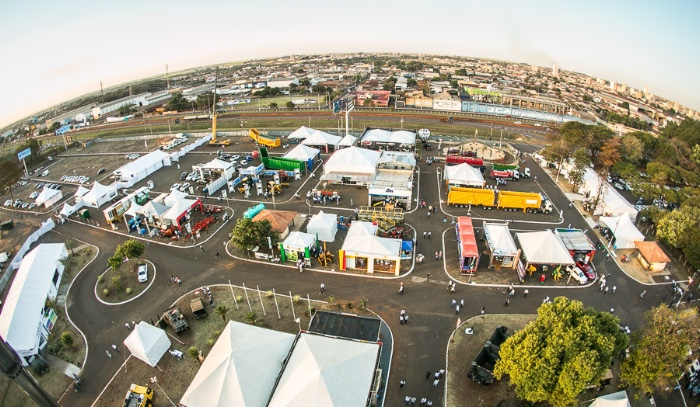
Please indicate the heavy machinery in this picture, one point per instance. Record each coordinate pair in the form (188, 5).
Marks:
(138, 396)
(214, 142)
(176, 320)
(198, 309)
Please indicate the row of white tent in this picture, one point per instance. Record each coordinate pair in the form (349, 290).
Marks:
(387, 136)
(312, 137)
(611, 203)
(463, 175)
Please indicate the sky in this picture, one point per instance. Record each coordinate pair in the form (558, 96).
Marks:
(55, 51)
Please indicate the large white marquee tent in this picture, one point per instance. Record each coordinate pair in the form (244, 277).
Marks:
(543, 248)
(147, 342)
(623, 229)
(464, 175)
(352, 164)
(324, 225)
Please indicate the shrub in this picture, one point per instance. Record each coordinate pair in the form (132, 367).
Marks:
(100, 279)
(106, 292)
(251, 316)
(363, 304)
(210, 342)
(217, 333)
(129, 291)
(309, 314)
(297, 298)
(193, 352)
(67, 339)
(331, 300)
(40, 366)
(55, 348)
(239, 298)
(269, 294)
(349, 305)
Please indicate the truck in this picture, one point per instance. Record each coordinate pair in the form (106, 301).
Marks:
(197, 306)
(176, 320)
(457, 159)
(525, 173)
(459, 196)
(263, 140)
(501, 167)
(138, 396)
(531, 202)
(510, 175)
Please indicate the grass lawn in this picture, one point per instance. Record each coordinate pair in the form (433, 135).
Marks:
(264, 309)
(121, 284)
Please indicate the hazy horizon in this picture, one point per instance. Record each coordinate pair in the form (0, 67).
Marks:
(64, 51)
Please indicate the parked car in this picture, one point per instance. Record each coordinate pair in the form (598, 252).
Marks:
(143, 273)
(184, 187)
(577, 274)
(33, 194)
(175, 186)
(183, 175)
(100, 171)
(587, 270)
(45, 173)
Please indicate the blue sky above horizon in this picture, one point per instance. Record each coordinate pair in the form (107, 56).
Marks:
(55, 51)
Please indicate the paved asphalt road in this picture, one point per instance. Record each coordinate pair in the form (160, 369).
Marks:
(419, 346)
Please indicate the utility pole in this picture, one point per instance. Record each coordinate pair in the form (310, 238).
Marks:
(167, 77)
(102, 99)
(12, 368)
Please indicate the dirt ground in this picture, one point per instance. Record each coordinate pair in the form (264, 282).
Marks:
(117, 281)
(175, 376)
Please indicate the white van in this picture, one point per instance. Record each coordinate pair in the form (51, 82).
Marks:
(45, 173)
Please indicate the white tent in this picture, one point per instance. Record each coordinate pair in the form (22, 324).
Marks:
(464, 174)
(319, 138)
(173, 197)
(386, 136)
(355, 164)
(67, 209)
(301, 133)
(302, 153)
(618, 399)
(147, 342)
(325, 371)
(323, 225)
(48, 197)
(81, 191)
(624, 230)
(347, 141)
(298, 241)
(99, 195)
(403, 137)
(241, 368)
(543, 248)
(139, 169)
(499, 239)
(361, 229)
(25, 321)
(178, 209)
(363, 250)
(611, 203)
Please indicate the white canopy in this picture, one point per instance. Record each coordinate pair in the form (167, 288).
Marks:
(173, 197)
(325, 371)
(48, 197)
(499, 239)
(302, 153)
(241, 368)
(99, 194)
(611, 203)
(81, 191)
(179, 207)
(347, 141)
(624, 230)
(323, 225)
(147, 343)
(138, 169)
(319, 138)
(68, 209)
(464, 174)
(299, 240)
(386, 136)
(352, 160)
(361, 240)
(544, 248)
(618, 399)
(301, 133)
(22, 313)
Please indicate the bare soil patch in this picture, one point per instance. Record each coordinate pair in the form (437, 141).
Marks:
(115, 286)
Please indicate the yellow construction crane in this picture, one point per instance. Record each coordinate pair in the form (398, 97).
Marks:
(213, 142)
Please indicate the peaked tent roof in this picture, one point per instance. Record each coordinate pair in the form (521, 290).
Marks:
(323, 224)
(147, 343)
(81, 191)
(320, 138)
(302, 153)
(618, 399)
(179, 207)
(361, 239)
(22, 312)
(173, 197)
(499, 239)
(358, 228)
(279, 220)
(301, 133)
(153, 208)
(241, 368)
(348, 141)
(624, 230)
(325, 371)
(352, 160)
(46, 195)
(463, 174)
(67, 209)
(543, 248)
(299, 239)
(218, 164)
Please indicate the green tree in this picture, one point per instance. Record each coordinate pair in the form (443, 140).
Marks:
(178, 103)
(555, 357)
(675, 228)
(126, 109)
(221, 311)
(658, 352)
(131, 249)
(67, 339)
(411, 82)
(54, 126)
(632, 149)
(248, 234)
(115, 261)
(273, 106)
(251, 317)
(9, 174)
(290, 105)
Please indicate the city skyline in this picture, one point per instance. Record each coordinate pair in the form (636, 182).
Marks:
(65, 50)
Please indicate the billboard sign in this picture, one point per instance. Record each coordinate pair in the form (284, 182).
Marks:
(24, 154)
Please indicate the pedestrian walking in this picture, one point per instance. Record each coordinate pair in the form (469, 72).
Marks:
(461, 303)
(425, 234)
(430, 208)
(133, 323)
(429, 214)
(641, 296)
(452, 290)
(402, 383)
(201, 248)
(322, 288)
(403, 312)
(423, 401)
(436, 382)
(507, 302)
(483, 309)
(407, 400)
(216, 254)
(444, 220)
(428, 277)
(614, 289)
(606, 290)
(612, 310)
(401, 289)
(109, 355)
(440, 254)
(511, 292)
(405, 319)
(172, 279)
(434, 209)
(128, 327)
(454, 302)
(430, 234)
(115, 348)
(436, 255)
(526, 293)
(400, 319)
(456, 309)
